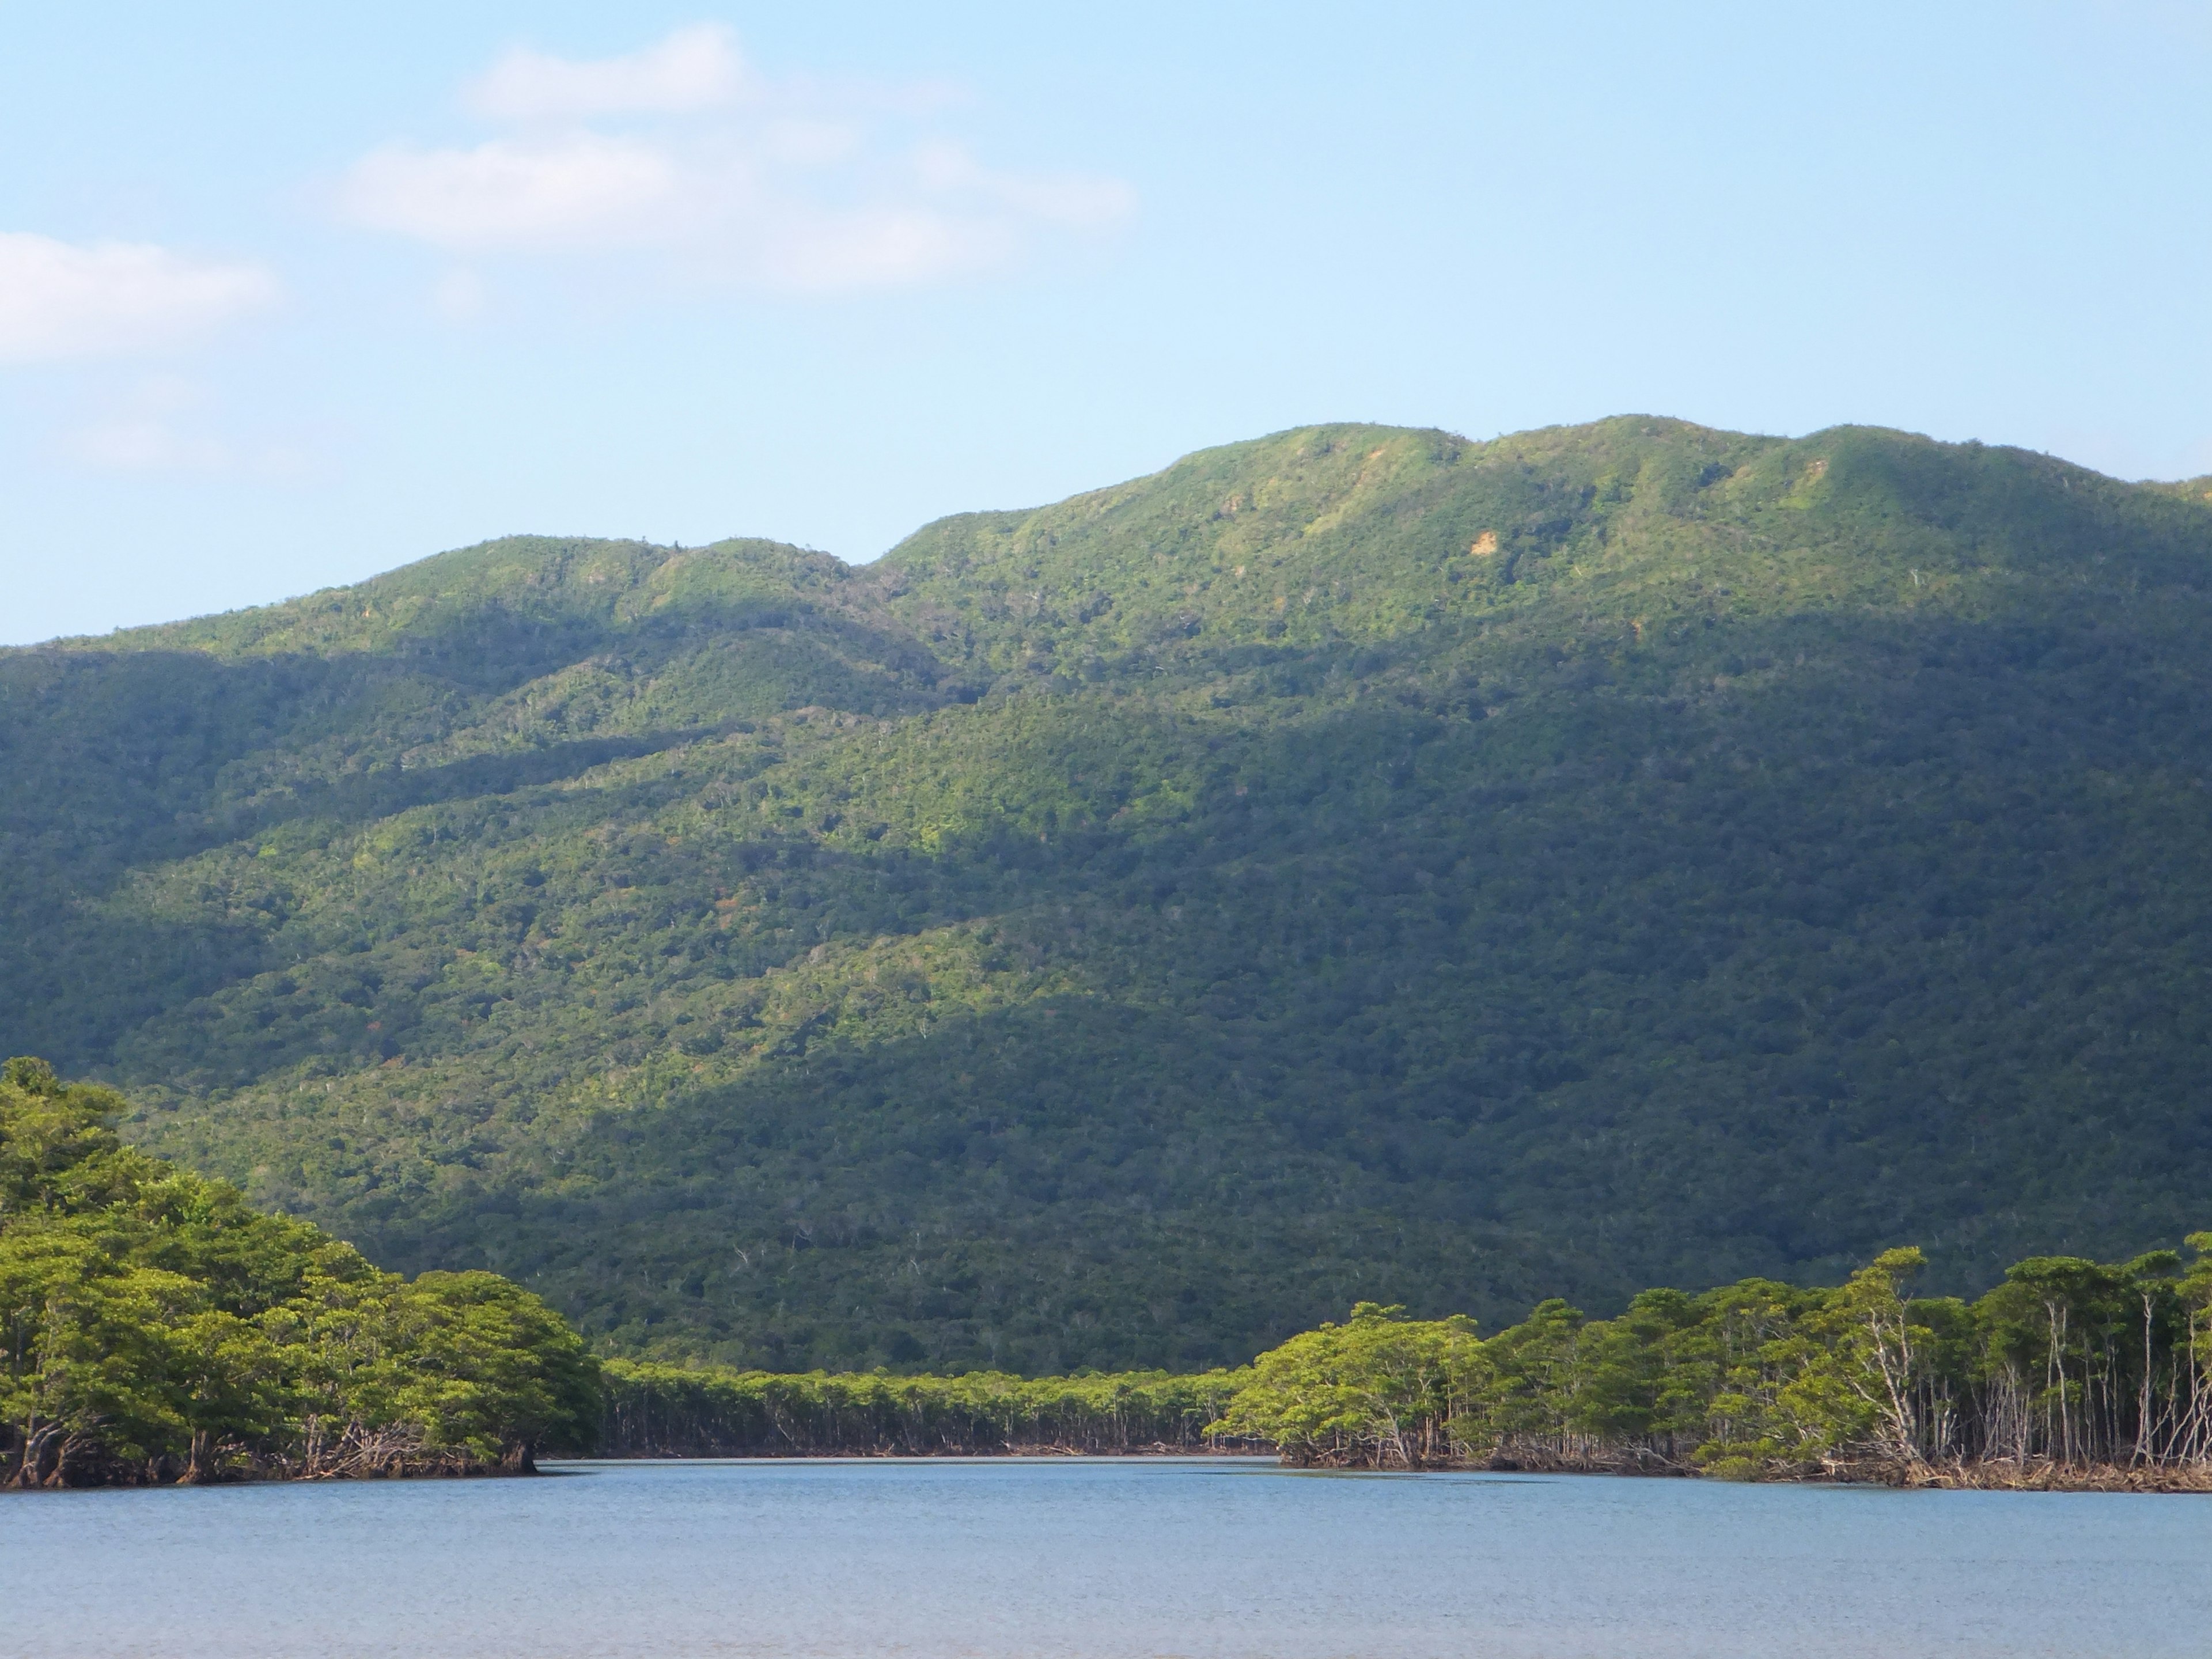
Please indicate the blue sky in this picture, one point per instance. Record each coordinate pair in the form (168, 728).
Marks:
(289, 295)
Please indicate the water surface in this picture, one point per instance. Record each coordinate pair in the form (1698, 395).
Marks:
(1106, 1559)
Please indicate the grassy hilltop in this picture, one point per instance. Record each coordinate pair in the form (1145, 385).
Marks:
(1357, 865)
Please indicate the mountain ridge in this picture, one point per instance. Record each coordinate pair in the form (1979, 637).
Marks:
(1354, 864)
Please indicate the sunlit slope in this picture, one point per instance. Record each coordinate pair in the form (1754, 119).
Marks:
(1376, 534)
(464, 676)
(1355, 863)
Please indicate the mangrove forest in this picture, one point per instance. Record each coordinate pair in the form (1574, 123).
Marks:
(154, 1328)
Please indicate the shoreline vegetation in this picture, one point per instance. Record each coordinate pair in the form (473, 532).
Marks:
(2070, 1374)
(155, 1330)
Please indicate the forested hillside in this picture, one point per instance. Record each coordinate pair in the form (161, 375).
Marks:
(1357, 865)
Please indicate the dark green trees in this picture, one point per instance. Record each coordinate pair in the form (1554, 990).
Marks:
(683, 1411)
(2068, 1366)
(154, 1328)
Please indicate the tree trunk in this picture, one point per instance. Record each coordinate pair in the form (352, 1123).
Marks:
(199, 1470)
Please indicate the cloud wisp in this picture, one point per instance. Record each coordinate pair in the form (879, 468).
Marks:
(60, 301)
(693, 68)
(167, 424)
(681, 150)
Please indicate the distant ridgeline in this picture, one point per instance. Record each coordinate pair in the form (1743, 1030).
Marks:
(2069, 1373)
(153, 1328)
(1357, 865)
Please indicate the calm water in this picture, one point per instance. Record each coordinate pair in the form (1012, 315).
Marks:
(1048, 1557)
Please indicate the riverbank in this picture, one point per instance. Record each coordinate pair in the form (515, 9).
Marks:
(226, 1465)
(2005, 1474)
(1995, 1475)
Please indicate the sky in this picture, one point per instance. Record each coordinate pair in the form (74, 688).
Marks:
(290, 296)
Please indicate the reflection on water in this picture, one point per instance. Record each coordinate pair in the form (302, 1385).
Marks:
(1132, 1558)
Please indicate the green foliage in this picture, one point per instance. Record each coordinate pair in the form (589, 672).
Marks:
(1378, 1388)
(153, 1327)
(2068, 1362)
(655, 1410)
(1358, 865)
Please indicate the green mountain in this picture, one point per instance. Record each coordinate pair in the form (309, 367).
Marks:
(1357, 865)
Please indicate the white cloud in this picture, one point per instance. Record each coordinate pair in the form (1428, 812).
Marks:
(165, 423)
(61, 299)
(693, 68)
(1080, 201)
(876, 247)
(724, 175)
(577, 187)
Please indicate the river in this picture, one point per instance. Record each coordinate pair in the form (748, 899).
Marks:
(1107, 1557)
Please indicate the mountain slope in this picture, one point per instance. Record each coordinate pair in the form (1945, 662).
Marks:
(1355, 863)
(460, 677)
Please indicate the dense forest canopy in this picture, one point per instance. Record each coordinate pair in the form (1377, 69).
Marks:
(154, 1328)
(1357, 865)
